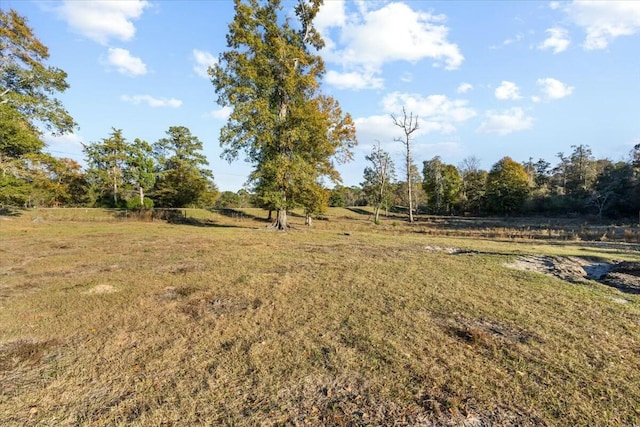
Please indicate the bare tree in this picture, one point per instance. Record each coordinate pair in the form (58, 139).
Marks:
(408, 124)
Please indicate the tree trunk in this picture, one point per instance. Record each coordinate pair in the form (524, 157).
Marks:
(115, 192)
(409, 183)
(308, 220)
(376, 217)
(281, 220)
(141, 197)
(270, 216)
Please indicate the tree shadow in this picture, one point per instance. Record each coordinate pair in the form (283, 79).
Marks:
(238, 214)
(359, 211)
(11, 211)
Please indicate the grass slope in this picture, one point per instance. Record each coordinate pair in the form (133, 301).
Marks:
(134, 323)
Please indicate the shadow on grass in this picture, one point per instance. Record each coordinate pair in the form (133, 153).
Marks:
(11, 211)
(173, 216)
(200, 223)
(238, 214)
(359, 211)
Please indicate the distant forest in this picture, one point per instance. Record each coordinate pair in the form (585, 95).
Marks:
(171, 173)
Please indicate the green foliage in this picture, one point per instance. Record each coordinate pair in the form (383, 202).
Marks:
(26, 83)
(337, 197)
(27, 88)
(228, 199)
(581, 171)
(507, 186)
(182, 179)
(17, 136)
(288, 130)
(378, 179)
(107, 162)
(474, 191)
(136, 204)
(442, 184)
(615, 192)
(140, 169)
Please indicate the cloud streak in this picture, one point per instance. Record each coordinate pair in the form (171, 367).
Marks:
(152, 101)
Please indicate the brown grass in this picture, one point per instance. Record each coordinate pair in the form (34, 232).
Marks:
(346, 324)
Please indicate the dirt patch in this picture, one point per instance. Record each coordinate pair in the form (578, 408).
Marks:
(101, 289)
(219, 306)
(448, 250)
(624, 276)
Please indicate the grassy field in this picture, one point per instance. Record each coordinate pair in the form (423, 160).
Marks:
(112, 321)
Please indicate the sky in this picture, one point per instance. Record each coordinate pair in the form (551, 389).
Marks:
(525, 79)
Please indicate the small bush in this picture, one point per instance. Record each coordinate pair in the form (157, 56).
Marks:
(135, 203)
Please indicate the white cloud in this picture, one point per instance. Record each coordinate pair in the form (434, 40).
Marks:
(436, 113)
(464, 87)
(152, 101)
(397, 33)
(515, 39)
(68, 140)
(558, 40)
(372, 128)
(203, 60)
(353, 80)
(603, 21)
(507, 90)
(505, 122)
(103, 20)
(554, 5)
(554, 89)
(221, 113)
(125, 63)
(366, 39)
(331, 14)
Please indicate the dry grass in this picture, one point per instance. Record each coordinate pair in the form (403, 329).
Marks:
(345, 324)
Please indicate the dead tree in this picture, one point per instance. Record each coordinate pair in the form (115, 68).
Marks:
(408, 124)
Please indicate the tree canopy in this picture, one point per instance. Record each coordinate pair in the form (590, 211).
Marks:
(507, 186)
(289, 130)
(26, 82)
(27, 103)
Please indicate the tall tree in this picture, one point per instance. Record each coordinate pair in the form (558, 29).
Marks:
(26, 82)
(408, 124)
(378, 178)
(473, 185)
(443, 185)
(582, 172)
(106, 161)
(182, 177)
(561, 173)
(27, 103)
(140, 169)
(270, 77)
(507, 186)
(433, 183)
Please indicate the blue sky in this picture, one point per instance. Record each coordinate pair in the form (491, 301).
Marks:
(487, 79)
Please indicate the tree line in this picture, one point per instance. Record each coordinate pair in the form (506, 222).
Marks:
(292, 134)
(578, 184)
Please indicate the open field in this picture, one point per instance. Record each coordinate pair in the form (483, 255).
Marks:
(113, 321)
